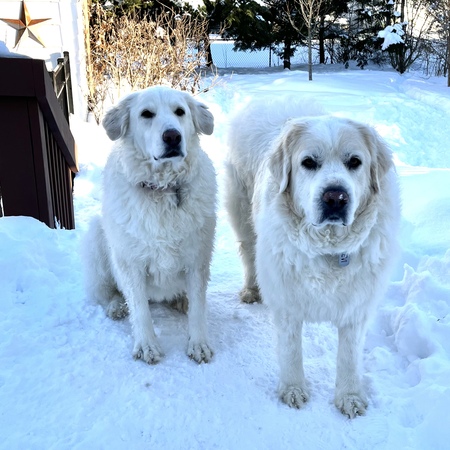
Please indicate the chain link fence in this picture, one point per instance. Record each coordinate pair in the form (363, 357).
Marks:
(224, 57)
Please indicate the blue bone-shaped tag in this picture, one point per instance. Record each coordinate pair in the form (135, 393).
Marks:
(344, 259)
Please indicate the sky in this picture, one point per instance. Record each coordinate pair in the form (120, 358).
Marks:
(67, 376)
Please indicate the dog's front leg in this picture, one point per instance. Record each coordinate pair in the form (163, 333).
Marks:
(292, 388)
(198, 348)
(132, 283)
(349, 396)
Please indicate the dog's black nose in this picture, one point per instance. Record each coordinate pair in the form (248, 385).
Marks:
(335, 199)
(172, 140)
(171, 137)
(334, 205)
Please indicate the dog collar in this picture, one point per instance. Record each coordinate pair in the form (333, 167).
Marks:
(147, 184)
(155, 187)
(171, 189)
(344, 259)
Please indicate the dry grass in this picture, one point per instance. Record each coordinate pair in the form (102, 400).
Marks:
(127, 54)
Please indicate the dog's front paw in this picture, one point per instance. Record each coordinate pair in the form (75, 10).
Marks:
(294, 396)
(199, 352)
(250, 295)
(149, 352)
(351, 405)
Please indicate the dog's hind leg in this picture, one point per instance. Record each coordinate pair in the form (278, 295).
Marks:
(99, 280)
(239, 210)
(180, 303)
(117, 308)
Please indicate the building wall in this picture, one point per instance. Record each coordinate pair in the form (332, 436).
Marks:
(64, 31)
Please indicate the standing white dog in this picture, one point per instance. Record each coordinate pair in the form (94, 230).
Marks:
(314, 203)
(155, 238)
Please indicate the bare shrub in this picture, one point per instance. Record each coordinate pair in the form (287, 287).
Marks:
(434, 58)
(127, 54)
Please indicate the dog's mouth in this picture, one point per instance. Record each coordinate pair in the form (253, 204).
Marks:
(333, 220)
(173, 155)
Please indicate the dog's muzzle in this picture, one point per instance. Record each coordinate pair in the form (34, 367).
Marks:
(334, 204)
(172, 143)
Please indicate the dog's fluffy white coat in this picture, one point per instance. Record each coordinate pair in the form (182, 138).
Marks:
(154, 239)
(290, 251)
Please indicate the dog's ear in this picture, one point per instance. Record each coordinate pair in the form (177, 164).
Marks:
(381, 156)
(280, 160)
(202, 117)
(117, 119)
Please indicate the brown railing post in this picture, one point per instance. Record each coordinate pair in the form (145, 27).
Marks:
(62, 84)
(68, 83)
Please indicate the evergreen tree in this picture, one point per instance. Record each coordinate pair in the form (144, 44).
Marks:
(289, 28)
(217, 13)
(274, 24)
(250, 24)
(266, 24)
(360, 42)
(329, 29)
(412, 27)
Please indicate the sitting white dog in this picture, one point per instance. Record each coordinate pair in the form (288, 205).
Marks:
(154, 239)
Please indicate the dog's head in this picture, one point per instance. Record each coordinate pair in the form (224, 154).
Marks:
(330, 167)
(160, 121)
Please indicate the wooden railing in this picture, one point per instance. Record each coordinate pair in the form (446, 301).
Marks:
(37, 149)
(62, 84)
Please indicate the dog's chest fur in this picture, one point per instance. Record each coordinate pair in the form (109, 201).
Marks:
(160, 227)
(324, 290)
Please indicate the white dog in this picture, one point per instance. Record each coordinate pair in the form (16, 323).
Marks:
(314, 204)
(155, 238)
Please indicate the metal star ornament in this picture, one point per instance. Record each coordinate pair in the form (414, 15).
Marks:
(25, 24)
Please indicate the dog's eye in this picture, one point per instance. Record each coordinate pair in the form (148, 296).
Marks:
(310, 164)
(179, 112)
(146, 114)
(353, 163)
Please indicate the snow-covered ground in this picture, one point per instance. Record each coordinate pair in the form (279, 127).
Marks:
(67, 377)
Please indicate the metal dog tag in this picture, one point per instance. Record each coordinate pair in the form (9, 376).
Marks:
(344, 259)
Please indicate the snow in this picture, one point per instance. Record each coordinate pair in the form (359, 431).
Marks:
(392, 35)
(67, 377)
